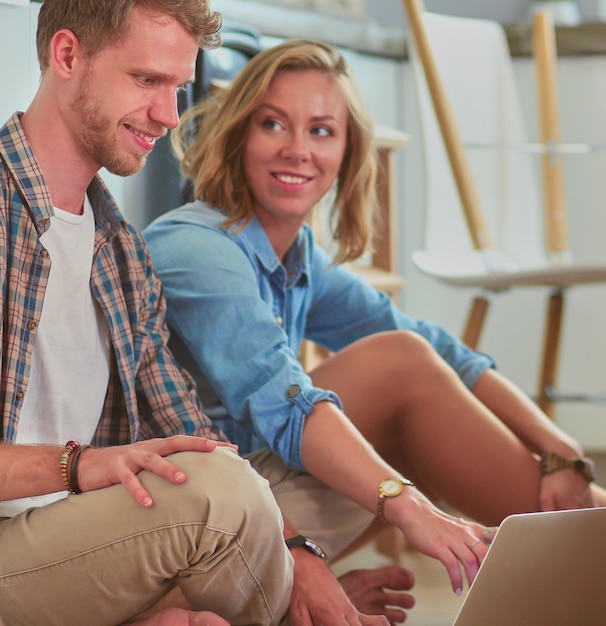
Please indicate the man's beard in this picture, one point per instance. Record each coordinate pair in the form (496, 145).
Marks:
(98, 136)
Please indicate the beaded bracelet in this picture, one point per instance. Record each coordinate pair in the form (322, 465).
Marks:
(72, 468)
(70, 448)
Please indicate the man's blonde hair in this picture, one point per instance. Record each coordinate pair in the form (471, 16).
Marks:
(100, 23)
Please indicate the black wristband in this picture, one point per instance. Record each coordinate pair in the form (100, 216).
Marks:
(74, 460)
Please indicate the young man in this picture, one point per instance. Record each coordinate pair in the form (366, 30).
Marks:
(84, 357)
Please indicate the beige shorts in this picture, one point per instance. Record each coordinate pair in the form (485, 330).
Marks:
(315, 510)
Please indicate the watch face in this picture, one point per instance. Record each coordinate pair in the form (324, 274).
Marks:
(585, 468)
(308, 544)
(315, 548)
(391, 487)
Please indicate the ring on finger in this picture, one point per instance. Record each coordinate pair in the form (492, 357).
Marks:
(488, 535)
(474, 543)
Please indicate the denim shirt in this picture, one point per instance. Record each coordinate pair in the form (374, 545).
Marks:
(239, 316)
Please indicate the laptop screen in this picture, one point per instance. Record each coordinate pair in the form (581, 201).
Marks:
(542, 569)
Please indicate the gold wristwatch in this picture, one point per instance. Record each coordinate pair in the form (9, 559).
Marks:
(553, 462)
(390, 488)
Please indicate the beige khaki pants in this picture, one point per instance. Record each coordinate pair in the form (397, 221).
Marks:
(315, 510)
(99, 558)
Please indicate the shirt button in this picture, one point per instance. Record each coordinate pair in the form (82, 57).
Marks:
(293, 390)
(32, 325)
(44, 253)
(279, 320)
(20, 394)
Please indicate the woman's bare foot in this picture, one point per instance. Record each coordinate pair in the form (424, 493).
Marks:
(379, 591)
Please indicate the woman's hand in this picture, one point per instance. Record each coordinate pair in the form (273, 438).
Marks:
(102, 467)
(565, 489)
(454, 541)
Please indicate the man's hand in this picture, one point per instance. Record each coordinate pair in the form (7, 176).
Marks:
(102, 467)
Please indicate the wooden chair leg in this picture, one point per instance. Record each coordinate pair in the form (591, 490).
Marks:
(475, 321)
(391, 543)
(388, 540)
(551, 347)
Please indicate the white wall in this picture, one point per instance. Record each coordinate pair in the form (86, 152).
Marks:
(390, 12)
(19, 68)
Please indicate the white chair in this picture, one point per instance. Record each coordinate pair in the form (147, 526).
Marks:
(512, 234)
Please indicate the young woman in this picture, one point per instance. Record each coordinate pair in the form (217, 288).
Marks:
(246, 282)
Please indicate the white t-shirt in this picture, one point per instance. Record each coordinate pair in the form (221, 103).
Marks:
(71, 357)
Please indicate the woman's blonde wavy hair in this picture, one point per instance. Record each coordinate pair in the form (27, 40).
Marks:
(211, 137)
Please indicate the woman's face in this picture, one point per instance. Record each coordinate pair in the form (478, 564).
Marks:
(294, 147)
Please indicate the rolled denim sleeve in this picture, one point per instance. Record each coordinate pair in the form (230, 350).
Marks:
(215, 307)
(345, 308)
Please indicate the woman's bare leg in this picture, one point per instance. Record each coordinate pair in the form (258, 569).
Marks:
(421, 418)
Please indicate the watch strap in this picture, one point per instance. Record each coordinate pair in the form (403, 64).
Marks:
(553, 462)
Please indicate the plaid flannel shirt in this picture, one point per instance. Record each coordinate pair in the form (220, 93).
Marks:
(148, 395)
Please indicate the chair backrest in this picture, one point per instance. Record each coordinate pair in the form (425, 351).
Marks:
(218, 67)
(475, 73)
(239, 43)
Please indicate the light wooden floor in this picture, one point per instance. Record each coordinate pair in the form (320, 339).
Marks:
(436, 604)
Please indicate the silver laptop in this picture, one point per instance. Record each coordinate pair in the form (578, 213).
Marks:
(542, 569)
